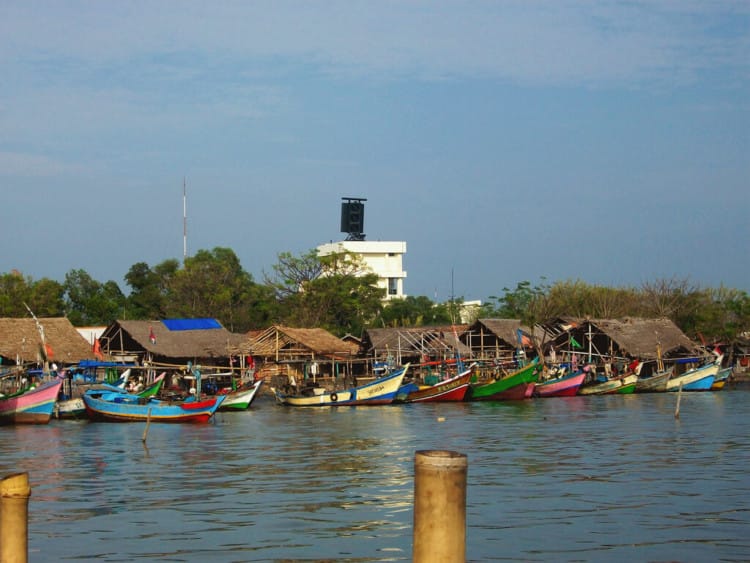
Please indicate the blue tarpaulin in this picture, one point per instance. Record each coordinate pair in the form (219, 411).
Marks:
(191, 324)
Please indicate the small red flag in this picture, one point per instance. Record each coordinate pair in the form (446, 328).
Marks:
(151, 335)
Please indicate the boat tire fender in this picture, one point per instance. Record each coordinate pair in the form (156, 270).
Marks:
(334, 397)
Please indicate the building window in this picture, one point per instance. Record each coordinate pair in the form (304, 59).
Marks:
(392, 286)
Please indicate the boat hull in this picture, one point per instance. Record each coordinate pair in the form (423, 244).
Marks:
(453, 389)
(657, 383)
(241, 400)
(504, 389)
(698, 379)
(560, 387)
(110, 410)
(32, 407)
(381, 391)
(622, 386)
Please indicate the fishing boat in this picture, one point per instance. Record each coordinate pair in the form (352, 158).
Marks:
(240, 399)
(73, 407)
(565, 385)
(34, 406)
(721, 378)
(655, 383)
(451, 389)
(514, 386)
(624, 384)
(110, 406)
(697, 379)
(381, 391)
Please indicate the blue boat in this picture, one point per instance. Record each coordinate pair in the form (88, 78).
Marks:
(697, 379)
(112, 406)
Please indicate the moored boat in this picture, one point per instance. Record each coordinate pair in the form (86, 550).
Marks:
(241, 399)
(514, 386)
(623, 385)
(121, 407)
(654, 383)
(697, 379)
(381, 391)
(451, 389)
(563, 386)
(721, 378)
(34, 406)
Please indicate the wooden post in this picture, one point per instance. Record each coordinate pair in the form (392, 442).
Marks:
(439, 507)
(679, 396)
(14, 518)
(148, 421)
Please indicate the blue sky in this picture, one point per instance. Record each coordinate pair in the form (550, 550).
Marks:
(503, 141)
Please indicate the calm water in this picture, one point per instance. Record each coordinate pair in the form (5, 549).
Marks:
(579, 479)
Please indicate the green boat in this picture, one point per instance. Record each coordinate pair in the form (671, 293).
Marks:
(517, 385)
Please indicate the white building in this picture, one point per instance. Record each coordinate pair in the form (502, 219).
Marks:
(384, 258)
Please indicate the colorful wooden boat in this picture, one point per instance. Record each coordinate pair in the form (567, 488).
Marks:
(122, 407)
(452, 389)
(624, 384)
(35, 406)
(515, 386)
(655, 383)
(721, 378)
(697, 379)
(381, 391)
(241, 399)
(73, 407)
(563, 386)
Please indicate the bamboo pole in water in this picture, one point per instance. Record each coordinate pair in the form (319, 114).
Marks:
(148, 422)
(439, 507)
(679, 396)
(14, 518)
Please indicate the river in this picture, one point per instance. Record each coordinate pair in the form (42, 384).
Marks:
(615, 478)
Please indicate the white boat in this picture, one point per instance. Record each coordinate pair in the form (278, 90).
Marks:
(381, 391)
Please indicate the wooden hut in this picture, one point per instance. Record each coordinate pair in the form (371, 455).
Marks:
(20, 341)
(301, 353)
(496, 340)
(416, 345)
(622, 339)
(171, 342)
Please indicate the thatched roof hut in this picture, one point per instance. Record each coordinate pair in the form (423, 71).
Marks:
(621, 339)
(279, 343)
(495, 338)
(20, 340)
(171, 340)
(285, 350)
(638, 338)
(414, 344)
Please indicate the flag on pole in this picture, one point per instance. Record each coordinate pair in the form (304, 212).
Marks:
(98, 349)
(574, 343)
(151, 335)
(48, 350)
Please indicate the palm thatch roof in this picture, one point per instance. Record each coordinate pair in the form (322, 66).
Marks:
(282, 342)
(495, 332)
(434, 341)
(135, 337)
(20, 339)
(638, 338)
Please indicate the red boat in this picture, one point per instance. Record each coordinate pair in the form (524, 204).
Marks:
(453, 389)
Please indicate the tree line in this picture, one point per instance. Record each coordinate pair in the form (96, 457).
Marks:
(337, 293)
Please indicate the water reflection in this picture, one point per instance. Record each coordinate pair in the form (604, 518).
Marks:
(579, 478)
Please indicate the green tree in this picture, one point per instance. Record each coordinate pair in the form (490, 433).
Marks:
(334, 291)
(89, 302)
(414, 311)
(150, 289)
(213, 284)
(47, 298)
(15, 290)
